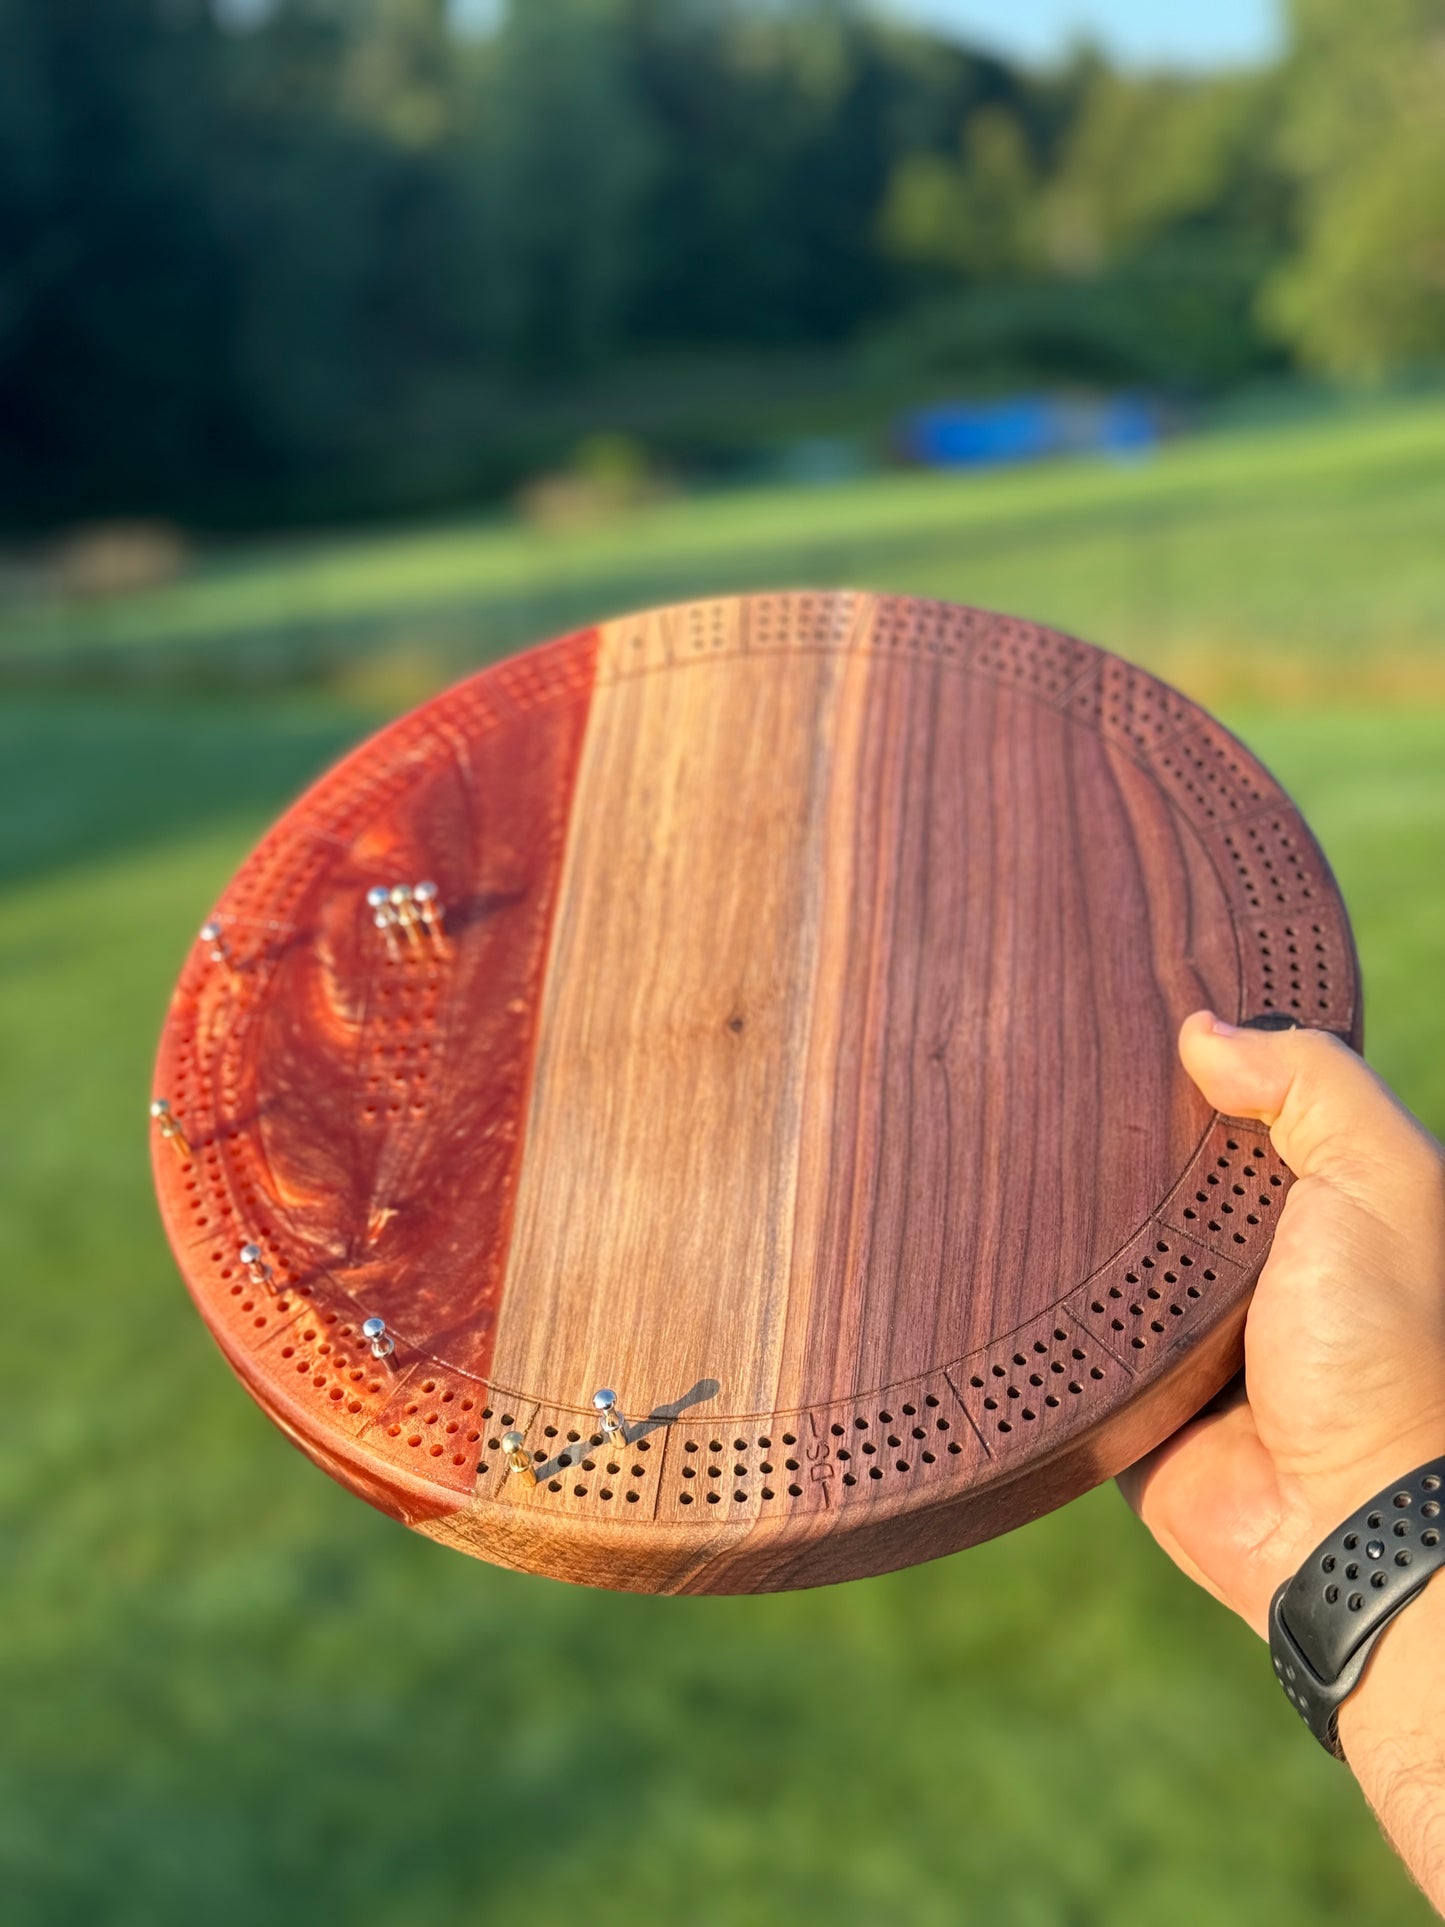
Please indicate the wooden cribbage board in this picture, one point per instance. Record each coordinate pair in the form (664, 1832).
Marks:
(800, 1063)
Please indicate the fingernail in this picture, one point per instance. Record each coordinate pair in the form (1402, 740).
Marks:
(1221, 1029)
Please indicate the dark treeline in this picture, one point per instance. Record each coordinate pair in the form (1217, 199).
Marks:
(326, 256)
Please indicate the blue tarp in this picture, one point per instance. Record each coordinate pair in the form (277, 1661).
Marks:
(1024, 428)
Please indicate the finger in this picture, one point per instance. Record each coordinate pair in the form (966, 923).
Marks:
(1328, 1114)
(1210, 1497)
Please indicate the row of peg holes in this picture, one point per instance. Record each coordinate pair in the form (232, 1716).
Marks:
(366, 787)
(1221, 1204)
(469, 1434)
(611, 1470)
(542, 675)
(247, 902)
(923, 1429)
(1068, 1377)
(919, 1424)
(350, 1376)
(1215, 765)
(1133, 706)
(1152, 1293)
(706, 626)
(1295, 968)
(254, 1224)
(392, 1031)
(1284, 847)
(1032, 657)
(931, 628)
(800, 620)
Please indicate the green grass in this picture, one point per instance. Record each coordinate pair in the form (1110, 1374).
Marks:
(231, 1693)
(1320, 544)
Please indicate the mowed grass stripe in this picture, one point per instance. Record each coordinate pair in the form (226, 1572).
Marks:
(1323, 534)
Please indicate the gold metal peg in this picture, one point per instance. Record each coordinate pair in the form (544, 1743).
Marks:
(428, 902)
(515, 1449)
(406, 913)
(170, 1130)
(385, 921)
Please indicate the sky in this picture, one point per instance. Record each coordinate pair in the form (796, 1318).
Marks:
(1192, 34)
(1139, 33)
(1195, 34)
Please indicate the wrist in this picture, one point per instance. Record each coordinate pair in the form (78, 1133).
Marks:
(1393, 1731)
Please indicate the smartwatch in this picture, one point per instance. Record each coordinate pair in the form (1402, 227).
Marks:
(1323, 1623)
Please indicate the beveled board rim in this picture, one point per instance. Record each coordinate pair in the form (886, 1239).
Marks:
(1076, 679)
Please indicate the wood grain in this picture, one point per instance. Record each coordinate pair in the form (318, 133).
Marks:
(800, 1064)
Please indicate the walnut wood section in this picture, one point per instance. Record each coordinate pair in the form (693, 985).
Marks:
(800, 1063)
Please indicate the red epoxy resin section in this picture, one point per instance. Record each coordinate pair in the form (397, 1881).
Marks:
(357, 1107)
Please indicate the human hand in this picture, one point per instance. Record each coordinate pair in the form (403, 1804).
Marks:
(1344, 1391)
(1345, 1340)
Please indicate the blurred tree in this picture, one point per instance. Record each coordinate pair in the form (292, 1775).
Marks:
(1153, 155)
(291, 258)
(977, 215)
(1129, 242)
(781, 127)
(1364, 132)
(399, 70)
(563, 151)
(114, 287)
(1165, 218)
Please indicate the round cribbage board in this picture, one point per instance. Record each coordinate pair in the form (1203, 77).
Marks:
(799, 1062)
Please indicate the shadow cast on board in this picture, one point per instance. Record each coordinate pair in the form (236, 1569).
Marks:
(634, 1434)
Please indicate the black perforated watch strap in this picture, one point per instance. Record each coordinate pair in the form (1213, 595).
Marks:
(1324, 1622)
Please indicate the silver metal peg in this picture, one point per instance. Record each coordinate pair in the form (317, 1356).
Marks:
(214, 940)
(378, 901)
(382, 1343)
(613, 1423)
(406, 912)
(428, 903)
(257, 1270)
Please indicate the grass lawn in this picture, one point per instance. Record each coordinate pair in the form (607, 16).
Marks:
(231, 1693)
(1244, 562)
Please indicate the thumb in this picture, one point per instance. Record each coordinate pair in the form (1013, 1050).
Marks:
(1327, 1112)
